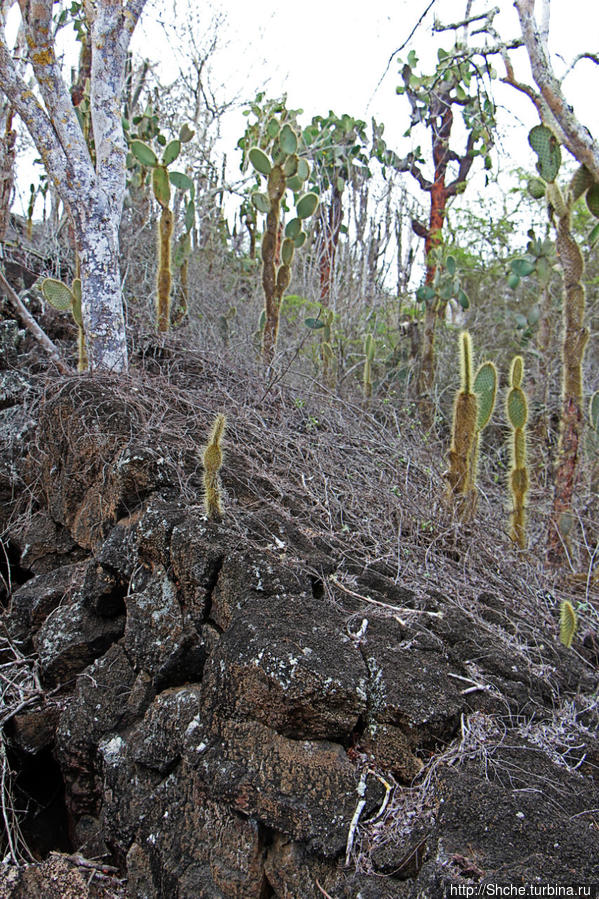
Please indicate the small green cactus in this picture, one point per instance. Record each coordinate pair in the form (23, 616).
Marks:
(213, 460)
(517, 415)
(65, 298)
(369, 353)
(568, 621)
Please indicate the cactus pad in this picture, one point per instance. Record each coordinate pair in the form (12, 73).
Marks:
(260, 161)
(568, 623)
(143, 153)
(594, 411)
(517, 408)
(485, 388)
(549, 157)
(161, 185)
(288, 139)
(59, 295)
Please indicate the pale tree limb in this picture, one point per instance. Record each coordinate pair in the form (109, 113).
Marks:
(576, 138)
(32, 326)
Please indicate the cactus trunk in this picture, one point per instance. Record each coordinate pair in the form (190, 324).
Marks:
(271, 282)
(164, 276)
(575, 337)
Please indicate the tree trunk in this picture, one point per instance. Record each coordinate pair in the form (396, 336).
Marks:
(96, 236)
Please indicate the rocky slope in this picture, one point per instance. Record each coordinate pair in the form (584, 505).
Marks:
(239, 710)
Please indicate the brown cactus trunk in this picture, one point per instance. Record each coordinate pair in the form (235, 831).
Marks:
(575, 337)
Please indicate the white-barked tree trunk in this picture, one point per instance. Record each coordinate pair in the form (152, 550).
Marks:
(92, 194)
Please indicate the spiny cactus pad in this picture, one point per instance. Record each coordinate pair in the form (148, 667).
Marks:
(485, 388)
(59, 295)
(568, 623)
(517, 408)
(545, 144)
(143, 153)
(260, 161)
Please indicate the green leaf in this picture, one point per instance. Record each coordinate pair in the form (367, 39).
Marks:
(314, 323)
(143, 153)
(171, 152)
(180, 181)
(58, 294)
(260, 160)
(306, 206)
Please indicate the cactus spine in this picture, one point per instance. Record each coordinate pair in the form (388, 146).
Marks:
(517, 415)
(65, 298)
(284, 170)
(213, 460)
(461, 490)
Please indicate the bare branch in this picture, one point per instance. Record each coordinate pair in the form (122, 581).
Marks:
(576, 137)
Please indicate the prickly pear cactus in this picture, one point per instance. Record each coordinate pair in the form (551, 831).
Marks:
(461, 490)
(277, 160)
(65, 298)
(517, 415)
(213, 460)
(162, 179)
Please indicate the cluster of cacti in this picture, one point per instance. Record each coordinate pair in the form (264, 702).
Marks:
(473, 407)
(161, 186)
(283, 170)
(575, 334)
(68, 299)
(213, 460)
(517, 415)
(369, 352)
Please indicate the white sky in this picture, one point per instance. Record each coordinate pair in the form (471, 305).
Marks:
(332, 54)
